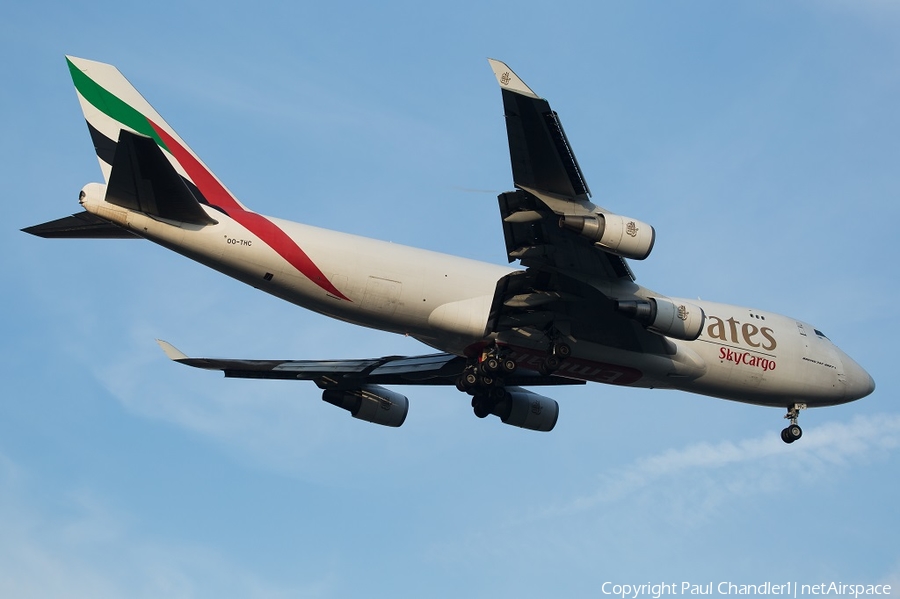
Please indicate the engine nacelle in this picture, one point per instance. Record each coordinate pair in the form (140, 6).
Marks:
(616, 234)
(371, 403)
(527, 410)
(681, 320)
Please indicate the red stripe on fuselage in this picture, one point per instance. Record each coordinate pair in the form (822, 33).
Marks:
(257, 224)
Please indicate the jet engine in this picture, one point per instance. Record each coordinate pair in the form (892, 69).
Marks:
(680, 320)
(371, 403)
(616, 234)
(527, 410)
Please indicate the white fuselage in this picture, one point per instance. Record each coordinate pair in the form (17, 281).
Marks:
(742, 354)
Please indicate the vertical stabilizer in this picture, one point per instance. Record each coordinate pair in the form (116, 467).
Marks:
(111, 104)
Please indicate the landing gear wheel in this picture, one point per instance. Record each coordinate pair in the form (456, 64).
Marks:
(497, 394)
(561, 350)
(470, 379)
(794, 432)
(508, 366)
(490, 366)
(791, 433)
(549, 365)
(481, 406)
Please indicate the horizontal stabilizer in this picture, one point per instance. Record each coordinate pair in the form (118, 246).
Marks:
(83, 225)
(144, 180)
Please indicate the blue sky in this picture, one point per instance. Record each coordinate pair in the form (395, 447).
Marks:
(760, 138)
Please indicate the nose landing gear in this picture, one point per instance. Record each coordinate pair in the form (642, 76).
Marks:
(793, 431)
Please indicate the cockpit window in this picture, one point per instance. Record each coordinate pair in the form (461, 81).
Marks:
(820, 333)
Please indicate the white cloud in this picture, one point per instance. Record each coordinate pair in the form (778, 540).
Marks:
(752, 466)
(693, 491)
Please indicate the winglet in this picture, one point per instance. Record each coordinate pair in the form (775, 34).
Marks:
(171, 351)
(509, 80)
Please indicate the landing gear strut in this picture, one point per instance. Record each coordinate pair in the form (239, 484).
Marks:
(793, 431)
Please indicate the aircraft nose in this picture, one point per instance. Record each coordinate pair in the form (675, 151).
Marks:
(859, 382)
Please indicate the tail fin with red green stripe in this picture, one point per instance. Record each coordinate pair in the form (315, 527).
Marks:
(148, 169)
(111, 104)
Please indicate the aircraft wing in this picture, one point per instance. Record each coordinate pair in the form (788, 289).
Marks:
(432, 369)
(567, 275)
(550, 184)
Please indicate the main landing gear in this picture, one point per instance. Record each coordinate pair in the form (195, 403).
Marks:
(485, 374)
(557, 352)
(483, 379)
(486, 371)
(793, 431)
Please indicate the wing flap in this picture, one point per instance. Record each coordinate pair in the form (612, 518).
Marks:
(529, 302)
(533, 236)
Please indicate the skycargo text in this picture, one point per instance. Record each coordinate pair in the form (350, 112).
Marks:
(786, 589)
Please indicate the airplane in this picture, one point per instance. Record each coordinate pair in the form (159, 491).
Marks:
(569, 312)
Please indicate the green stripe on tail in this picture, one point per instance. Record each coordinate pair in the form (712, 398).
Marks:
(110, 105)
